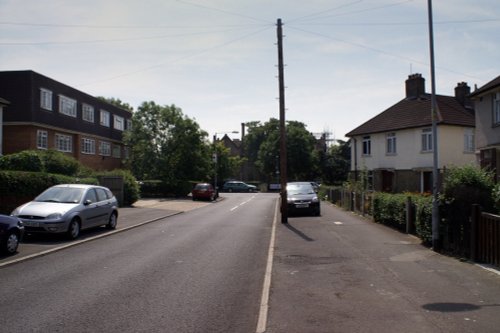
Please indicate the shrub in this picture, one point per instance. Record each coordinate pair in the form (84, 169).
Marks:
(27, 160)
(496, 197)
(390, 209)
(59, 163)
(423, 217)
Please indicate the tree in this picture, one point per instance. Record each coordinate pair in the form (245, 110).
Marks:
(116, 102)
(262, 144)
(167, 145)
(336, 163)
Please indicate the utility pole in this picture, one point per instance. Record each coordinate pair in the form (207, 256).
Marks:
(283, 157)
(435, 171)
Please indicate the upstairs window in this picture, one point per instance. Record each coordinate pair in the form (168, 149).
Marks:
(117, 151)
(496, 109)
(104, 118)
(88, 113)
(67, 106)
(469, 144)
(46, 99)
(118, 123)
(129, 124)
(391, 144)
(427, 139)
(367, 146)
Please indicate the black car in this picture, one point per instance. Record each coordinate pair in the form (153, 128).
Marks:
(301, 197)
(11, 233)
(238, 186)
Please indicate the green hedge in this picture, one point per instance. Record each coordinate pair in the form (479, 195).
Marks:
(390, 209)
(17, 187)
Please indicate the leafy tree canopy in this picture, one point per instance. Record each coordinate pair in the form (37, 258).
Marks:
(167, 145)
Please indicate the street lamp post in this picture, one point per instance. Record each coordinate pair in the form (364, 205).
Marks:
(214, 156)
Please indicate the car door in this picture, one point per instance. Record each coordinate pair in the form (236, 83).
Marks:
(91, 213)
(104, 206)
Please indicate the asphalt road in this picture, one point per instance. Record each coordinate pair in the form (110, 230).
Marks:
(204, 271)
(201, 271)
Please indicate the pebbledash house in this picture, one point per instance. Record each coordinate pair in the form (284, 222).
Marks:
(395, 148)
(41, 113)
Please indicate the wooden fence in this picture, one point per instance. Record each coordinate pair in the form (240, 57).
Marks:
(485, 237)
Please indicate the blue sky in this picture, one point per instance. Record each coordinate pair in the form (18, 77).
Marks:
(346, 60)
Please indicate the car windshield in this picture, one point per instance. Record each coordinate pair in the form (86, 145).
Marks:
(299, 189)
(61, 194)
(201, 187)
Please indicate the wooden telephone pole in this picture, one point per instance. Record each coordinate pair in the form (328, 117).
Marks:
(283, 155)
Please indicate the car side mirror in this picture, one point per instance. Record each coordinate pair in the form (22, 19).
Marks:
(87, 202)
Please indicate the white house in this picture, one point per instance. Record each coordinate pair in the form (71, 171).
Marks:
(487, 105)
(395, 147)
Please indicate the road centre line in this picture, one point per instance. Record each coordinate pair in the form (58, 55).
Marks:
(241, 204)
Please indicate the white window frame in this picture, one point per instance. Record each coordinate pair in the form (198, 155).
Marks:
(104, 118)
(46, 99)
(391, 144)
(104, 148)
(496, 109)
(469, 144)
(67, 106)
(88, 113)
(427, 140)
(366, 146)
(88, 146)
(42, 139)
(64, 143)
(118, 123)
(129, 124)
(117, 151)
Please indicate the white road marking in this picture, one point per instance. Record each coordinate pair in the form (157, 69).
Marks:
(337, 223)
(264, 301)
(243, 203)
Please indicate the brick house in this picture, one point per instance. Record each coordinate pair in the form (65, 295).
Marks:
(487, 105)
(46, 114)
(395, 148)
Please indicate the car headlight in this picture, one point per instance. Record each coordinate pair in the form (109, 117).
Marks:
(54, 216)
(315, 199)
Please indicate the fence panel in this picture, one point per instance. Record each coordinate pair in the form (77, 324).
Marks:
(488, 239)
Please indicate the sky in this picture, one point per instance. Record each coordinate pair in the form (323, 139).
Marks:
(345, 60)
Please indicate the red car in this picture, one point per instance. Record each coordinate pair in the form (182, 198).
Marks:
(204, 191)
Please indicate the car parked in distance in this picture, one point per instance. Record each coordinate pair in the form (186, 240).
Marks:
(11, 233)
(203, 191)
(69, 208)
(302, 198)
(238, 186)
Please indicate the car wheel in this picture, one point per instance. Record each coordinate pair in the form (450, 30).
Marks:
(11, 243)
(74, 229)
(112, 222)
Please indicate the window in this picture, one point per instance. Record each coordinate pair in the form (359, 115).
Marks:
(46, 99)
(469, 140)
(117, 151)
(88, 113)
(67, 106)
(64, 143)
(42, 139)
(129, 124)
(367, 146)
(104, 118)
(118, 123)
(496, 109)
(105, 148)
(427, 139)
(88, 146)
(391, 143)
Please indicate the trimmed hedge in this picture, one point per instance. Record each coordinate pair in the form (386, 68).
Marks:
(17, 187)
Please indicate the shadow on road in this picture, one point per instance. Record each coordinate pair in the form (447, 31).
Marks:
(454, 307)
(298, 232)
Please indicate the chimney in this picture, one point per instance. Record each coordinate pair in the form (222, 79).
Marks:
(415, 86)
(242, 131)
(462, 92)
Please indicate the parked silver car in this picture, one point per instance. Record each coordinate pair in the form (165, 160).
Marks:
(69, 208)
